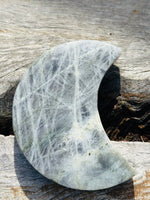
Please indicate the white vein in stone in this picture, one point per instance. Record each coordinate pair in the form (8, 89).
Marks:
(56, 120)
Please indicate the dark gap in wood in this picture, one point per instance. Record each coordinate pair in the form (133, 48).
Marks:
(6, 126)
(124, 115)
(6, 103)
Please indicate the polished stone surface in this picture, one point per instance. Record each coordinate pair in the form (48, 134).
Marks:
(56, 120)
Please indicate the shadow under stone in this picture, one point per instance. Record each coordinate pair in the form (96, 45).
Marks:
(108, 92)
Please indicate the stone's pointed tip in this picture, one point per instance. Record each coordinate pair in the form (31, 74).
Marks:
(56, 121)
(118, 52)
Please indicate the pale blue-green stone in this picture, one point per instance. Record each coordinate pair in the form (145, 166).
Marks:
(56, 121)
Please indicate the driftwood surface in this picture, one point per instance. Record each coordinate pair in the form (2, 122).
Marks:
(30, 27)
(19, 180)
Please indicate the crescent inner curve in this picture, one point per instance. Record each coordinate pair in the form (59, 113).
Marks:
(56, 120)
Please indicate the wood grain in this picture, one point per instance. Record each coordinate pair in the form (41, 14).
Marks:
(18, 179)
(28, 28)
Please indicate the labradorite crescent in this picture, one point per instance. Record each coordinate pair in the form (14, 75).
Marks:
(56, 120)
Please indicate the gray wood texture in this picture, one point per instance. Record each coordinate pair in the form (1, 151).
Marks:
(27, 29)
(19, 180)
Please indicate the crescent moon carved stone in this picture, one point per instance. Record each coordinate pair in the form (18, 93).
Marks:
(56, 119)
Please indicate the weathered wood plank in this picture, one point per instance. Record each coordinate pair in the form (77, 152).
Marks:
(18, 180)
(28, 28)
